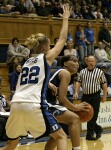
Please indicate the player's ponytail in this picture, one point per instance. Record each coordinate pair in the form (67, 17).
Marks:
(36, 41)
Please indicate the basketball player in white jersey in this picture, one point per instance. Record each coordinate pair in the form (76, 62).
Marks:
(29, 111)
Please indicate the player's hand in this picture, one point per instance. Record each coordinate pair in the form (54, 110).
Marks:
(82, 107)
(66, 11)
(53, 88)
(75, 95)
(103, 99)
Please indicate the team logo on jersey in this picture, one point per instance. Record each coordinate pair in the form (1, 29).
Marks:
(55, 127)
(56, 112)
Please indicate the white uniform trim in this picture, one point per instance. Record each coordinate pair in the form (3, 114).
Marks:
(55, 74)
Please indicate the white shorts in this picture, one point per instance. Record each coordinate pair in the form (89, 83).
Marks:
(27, 117)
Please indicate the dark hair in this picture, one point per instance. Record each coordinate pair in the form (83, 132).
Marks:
(88, 22)
(19, 64)
(67, 58)
(78, 26)
(55, 40)
(12, 61)
(15, 39)
(75, 79)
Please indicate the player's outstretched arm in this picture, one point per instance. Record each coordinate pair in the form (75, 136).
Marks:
(54, 52)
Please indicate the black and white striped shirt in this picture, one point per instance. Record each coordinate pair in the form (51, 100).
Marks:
(91, 80)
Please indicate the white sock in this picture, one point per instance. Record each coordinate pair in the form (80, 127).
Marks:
(76, 148)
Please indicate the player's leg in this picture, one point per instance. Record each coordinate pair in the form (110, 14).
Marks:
(73, 122)
(59, 138)
(11, 144)
(50, 143)
(41, 123)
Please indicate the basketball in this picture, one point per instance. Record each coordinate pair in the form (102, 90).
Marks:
(85, 116)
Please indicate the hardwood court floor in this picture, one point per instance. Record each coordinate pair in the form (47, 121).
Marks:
(104, 143)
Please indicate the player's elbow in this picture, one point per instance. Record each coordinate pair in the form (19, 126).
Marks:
(62, 100)
(63, 38)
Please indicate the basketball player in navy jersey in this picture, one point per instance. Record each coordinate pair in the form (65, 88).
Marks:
(29, 110)
(60, 106)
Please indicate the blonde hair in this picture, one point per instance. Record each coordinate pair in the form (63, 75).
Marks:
(36, 41)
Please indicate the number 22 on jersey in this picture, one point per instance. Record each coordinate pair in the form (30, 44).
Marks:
(29, 75)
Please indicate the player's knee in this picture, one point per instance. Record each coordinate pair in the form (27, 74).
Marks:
(75, 119)
(62, 136)
(59, 135)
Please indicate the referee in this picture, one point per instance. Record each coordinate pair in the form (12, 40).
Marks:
(91, 79)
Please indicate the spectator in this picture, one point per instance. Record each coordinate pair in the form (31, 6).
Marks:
(21, 8)
(35, 3)
(72, 15)
(83, 64)
(81, 42)
(101, 54)
(76, 47)
(99, 4)
(10, 2)
(3, 120)
(56, 9)
(7, 9)
(3, 100)
(91, 11)
(83, 3)
(104, 35)
(16, 49)
(77, 7)
(105, 14)
(103, 62)
(29, 5)
(97, 14)
(78, 14)
(69, 36)
(71, 88)
(85, 12)
(70, 49)
(13, 63)
(108, 51)
(13, 78)
(107, 70)
(43, 10)
(107, 5)
(90, 39)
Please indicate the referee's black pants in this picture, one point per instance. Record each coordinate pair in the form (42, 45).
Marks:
(94, 100)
